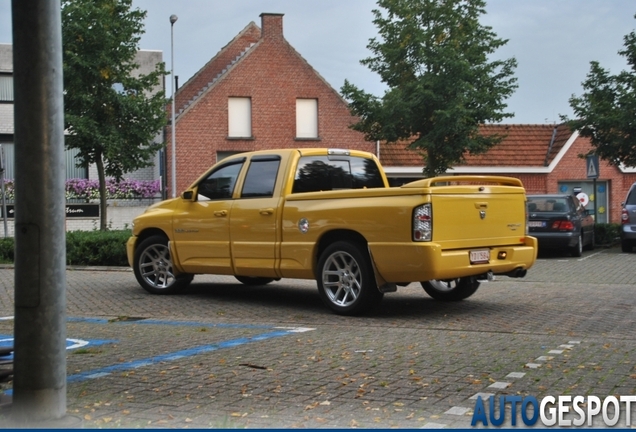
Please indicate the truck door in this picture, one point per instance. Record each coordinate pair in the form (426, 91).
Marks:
(253, 221)
(202, 228)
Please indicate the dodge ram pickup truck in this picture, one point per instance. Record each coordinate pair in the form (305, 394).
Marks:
(329, 215)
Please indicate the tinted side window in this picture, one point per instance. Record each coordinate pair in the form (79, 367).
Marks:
(261, 178)
(320, 173)
(220, 184)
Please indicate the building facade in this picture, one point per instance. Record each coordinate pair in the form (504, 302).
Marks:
(257, 93)
(121, 212)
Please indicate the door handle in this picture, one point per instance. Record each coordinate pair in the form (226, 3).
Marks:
(266, 211)
(220, 213)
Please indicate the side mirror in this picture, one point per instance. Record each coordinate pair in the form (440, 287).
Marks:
(188, 195)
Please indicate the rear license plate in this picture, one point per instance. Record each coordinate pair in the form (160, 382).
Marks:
(536, 224)
(479, 256)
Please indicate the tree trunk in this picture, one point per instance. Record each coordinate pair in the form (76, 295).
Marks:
(102, 192)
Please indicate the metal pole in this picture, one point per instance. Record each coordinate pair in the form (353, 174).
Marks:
(39, 381)
(173, 19)
(4, 197)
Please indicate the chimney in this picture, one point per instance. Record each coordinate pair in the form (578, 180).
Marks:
(272, 25)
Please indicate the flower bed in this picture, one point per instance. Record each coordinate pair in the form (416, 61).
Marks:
(87, 190)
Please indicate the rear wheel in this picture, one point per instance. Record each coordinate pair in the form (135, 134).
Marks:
(452, 289)
(577, 250)
(253, 281)
(153, 267)
(346, 281)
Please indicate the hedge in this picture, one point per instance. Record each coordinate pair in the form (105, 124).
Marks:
(84, 248)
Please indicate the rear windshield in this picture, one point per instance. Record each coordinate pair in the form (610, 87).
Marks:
(547, 204)
(325, 173)
(631, 198)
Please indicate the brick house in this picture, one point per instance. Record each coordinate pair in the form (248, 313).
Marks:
(544, 157)
(257, 93)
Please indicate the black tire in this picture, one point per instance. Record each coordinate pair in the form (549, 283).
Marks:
(451, 290)
(577, 250)
(153, 267)
(626, 246)
(253, 281)
(346, 281)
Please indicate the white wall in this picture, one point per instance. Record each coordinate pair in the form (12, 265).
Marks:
(119, 216)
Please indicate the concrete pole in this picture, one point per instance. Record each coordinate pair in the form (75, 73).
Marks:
(39, 383)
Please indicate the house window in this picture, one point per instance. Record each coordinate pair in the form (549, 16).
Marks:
(6, 88)
(239, 110)
(307, 118)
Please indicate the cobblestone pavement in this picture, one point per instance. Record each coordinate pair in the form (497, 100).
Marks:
(225, 355)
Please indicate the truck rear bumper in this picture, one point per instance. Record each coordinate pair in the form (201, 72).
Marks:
(426, 261)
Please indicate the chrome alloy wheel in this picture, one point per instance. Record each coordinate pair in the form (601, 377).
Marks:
(155, 266)
(342, 278)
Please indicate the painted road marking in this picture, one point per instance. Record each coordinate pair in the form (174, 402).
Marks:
(188, 352)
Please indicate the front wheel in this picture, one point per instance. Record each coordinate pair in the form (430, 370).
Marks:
(153, 267)
(346, 281)
(452, 289)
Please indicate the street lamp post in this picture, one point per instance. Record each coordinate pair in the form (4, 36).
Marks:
(173, 19)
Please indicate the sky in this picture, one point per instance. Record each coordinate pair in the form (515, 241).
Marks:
(552, 40)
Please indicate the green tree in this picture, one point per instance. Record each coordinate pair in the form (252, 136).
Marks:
(434, 56)
(606, 112)
(111, 113)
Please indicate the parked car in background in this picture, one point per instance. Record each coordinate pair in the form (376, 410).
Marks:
(628, 220)
(560, 222)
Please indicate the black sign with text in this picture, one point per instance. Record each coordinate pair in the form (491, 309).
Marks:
(72, 211)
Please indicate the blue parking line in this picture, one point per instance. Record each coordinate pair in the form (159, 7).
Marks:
(189, 352)
(6, 341)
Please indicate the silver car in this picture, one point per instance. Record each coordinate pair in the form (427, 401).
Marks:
(628, 220)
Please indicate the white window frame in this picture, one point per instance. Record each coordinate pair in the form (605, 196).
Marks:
(306, 118)
(239, 117)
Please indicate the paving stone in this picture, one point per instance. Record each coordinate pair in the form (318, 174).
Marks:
(403, 365)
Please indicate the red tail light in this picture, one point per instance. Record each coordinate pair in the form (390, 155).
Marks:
(624, 216)
(563, 225)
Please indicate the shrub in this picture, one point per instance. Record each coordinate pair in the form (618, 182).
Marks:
(102, 248)
(606, 234)
(7, 246)
(89, 248)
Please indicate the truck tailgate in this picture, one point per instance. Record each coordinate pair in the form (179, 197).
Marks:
(475, 220)
(476, 211)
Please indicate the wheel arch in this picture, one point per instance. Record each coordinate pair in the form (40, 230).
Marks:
(334, 236)
(149, 232)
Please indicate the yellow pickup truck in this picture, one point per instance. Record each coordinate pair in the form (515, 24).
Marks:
(329, 215)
